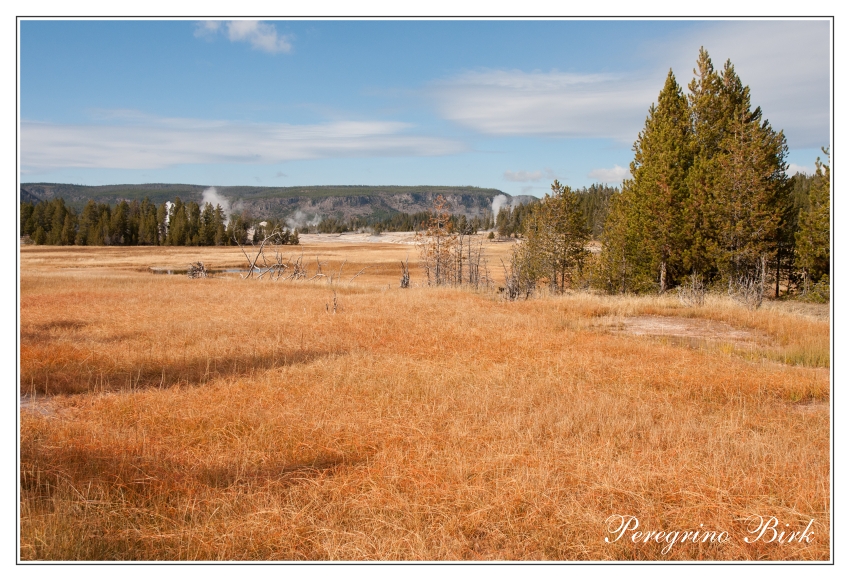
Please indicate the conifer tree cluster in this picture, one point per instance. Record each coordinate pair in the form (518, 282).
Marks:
(140, 223)
(708, 194)
(812, 237)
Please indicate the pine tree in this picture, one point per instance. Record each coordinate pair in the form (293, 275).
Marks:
(177, 224)
(219, 224)
(625, 264)
(644, 235)
(813, 236)
(193, 224)
(748, 187)
(206, 233)
(663, 157)
(707, 127)
(27, 208)
(119, 225)
(556, 234)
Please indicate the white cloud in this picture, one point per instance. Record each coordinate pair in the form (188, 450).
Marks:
(612, 175)
(793, 168)
(553, 104)
(207, 28)
(526, 176)
(523, 176)
(260, 35)
(152, 142)
(785, 63)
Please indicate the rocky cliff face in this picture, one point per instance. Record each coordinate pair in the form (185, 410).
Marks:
(344, 207)
(297, 203)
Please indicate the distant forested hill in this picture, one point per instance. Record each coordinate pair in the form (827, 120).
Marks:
(340, 202)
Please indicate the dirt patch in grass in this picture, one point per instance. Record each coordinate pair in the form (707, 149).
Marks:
(810, 407)
(43, 406)
(686, 328)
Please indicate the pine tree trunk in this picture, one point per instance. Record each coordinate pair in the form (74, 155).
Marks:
(663, 278)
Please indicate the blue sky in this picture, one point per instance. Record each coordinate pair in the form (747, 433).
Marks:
(504, 104)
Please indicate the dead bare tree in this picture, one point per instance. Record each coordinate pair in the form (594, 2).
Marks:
(405, 273)
(748, 288)
(335, 304)
(319, 273)
(449, 256)
(520, 280)
(277, 267)
(692, 292)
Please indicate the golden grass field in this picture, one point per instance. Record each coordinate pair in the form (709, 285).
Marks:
(164, 418)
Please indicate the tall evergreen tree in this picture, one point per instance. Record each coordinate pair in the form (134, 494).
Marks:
(206, 233)
(119, 230)
(177, 224)
(663, 157)
(708, 127)
(644, 238)
(748, 187)
(219, 220)
(813, 235)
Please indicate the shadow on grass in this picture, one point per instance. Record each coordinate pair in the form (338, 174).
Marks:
(68, 371)
(90, 502)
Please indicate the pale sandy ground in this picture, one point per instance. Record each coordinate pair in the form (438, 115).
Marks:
(705, 329)
(359, 238)
(398, 238)
(383, 238)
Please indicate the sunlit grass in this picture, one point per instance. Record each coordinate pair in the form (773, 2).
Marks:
(230, 419)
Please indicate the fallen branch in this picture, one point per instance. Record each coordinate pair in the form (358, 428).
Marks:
(358, 274)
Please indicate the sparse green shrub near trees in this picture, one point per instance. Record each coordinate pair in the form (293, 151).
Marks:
(553, 250)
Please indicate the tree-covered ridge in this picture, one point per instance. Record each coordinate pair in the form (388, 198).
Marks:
(146, 223)
(76, 196)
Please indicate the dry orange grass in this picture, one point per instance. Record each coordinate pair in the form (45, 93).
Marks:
(227, 419)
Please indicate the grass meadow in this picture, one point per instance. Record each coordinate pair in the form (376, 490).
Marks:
(164, 418)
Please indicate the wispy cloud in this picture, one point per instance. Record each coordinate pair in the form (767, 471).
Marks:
(152, 142)
(786, 64)
(528, 176)
(793, 168)
(612, 175)
(260, 35)
(554, 104)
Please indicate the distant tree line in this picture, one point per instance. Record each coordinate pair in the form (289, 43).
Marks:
(592, 205)
(399, 222)
(141, 224)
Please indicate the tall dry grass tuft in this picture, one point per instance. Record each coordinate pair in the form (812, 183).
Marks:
(221, 419)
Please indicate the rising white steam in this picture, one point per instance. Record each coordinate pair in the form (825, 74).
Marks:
(299, 219)
(212, 196)
(498, 202)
